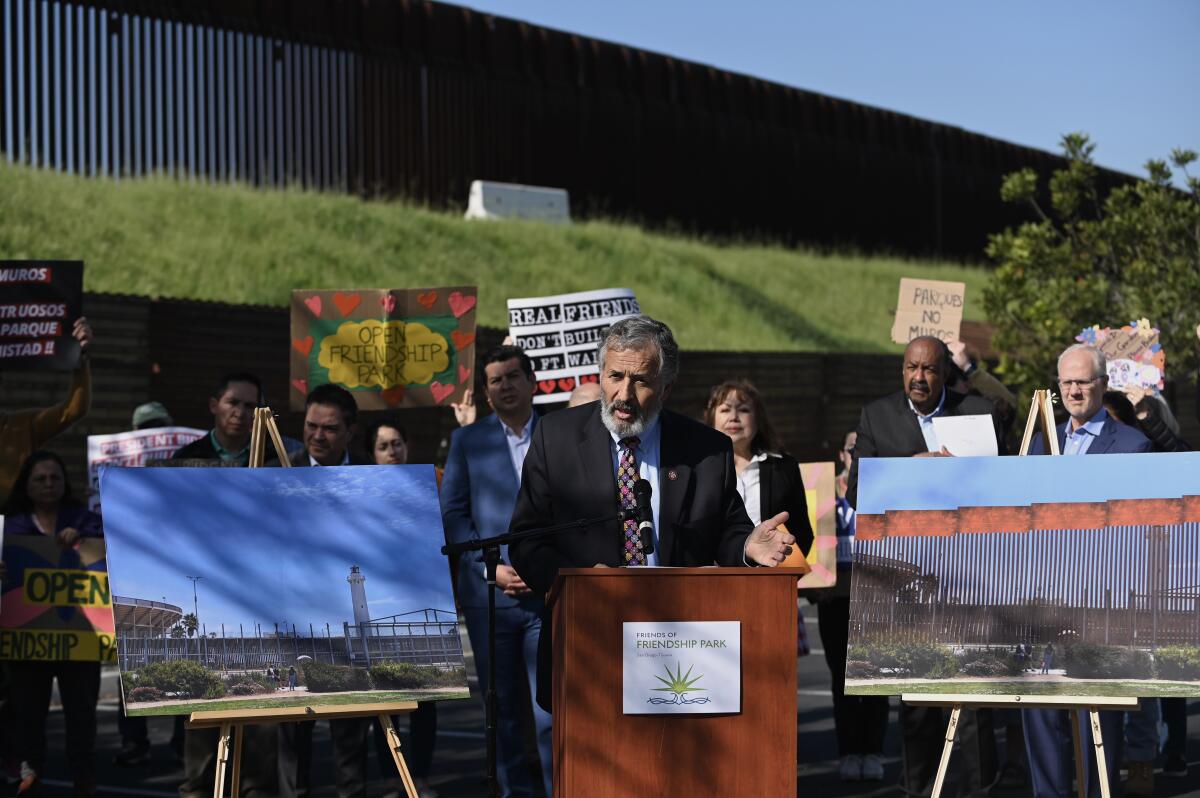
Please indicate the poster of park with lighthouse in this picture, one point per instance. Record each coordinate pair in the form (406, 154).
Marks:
(279, 587)
(1075, 576)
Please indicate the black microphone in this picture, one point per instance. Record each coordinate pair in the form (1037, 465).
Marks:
(645, 514)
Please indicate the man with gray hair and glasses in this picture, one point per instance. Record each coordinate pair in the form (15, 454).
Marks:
(584, 461)
(1082, 380)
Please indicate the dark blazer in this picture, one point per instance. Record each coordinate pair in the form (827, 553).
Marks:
(569, 475)
(479, 489)
(1114, 438)
(889, 428)
(299, 459)
(780, 488)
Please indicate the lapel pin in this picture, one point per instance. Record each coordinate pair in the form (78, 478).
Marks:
(672, 475)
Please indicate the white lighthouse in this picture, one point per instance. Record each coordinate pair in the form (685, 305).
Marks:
(358, 597)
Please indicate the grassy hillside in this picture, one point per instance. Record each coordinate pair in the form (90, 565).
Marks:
(161, 237)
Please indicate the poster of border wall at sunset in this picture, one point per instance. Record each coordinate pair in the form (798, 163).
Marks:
(1075, 576)
(239, 589)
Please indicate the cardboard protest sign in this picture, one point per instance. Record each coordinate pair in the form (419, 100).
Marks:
(820, 494)
(1075, 576)
(57, 604)
(135, 448)
(928, 307)
(326, 587)
(39, 303)
(1135, 356)
(390, 348)
(561, 333)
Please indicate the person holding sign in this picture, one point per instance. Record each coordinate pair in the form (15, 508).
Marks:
(23, 432)
(578, 455)
(42, 503)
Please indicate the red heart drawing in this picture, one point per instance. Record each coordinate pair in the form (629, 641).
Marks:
(460, 304)
(586, 378)
(314, 304)
(440, 391)
(566, 384)
(547, 386)
(427, 299)
(388, 302)
(301, 386)
(346, 302)
(464, 374)
(303, 346)
(394, 395)
(462, 340)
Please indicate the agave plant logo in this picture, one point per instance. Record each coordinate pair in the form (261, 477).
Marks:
(678, 685)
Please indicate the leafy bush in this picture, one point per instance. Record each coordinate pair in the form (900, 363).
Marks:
(1179, 663)
(322, 678)
(913, 659)
(403, 676)
(860, 669)
(248, 688)
(991, 662)
(140, 694)
(258, 679)
(1097, 661)
(983, 667)
(182, 679)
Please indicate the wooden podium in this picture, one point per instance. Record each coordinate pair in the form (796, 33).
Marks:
(600, 751)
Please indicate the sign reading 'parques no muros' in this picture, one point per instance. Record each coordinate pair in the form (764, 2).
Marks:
(677, 667)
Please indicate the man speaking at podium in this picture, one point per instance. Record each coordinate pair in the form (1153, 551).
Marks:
(584, 462)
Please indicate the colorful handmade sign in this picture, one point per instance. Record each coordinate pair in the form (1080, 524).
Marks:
(39, 303)
(57, 604)
(1135, 356)
(390, 348)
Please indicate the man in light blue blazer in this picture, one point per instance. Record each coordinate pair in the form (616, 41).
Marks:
(479, 489)
(1082, 380)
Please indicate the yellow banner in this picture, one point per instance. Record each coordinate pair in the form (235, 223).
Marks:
(57, 645)
(61, 587)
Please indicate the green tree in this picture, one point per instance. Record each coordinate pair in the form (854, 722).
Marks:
(190, 624)
(1092, 259)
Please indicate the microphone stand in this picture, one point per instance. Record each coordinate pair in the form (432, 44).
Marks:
(491, 560)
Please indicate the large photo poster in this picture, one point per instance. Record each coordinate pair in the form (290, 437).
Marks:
(279, 587)
(1027, 576)
(561, 335)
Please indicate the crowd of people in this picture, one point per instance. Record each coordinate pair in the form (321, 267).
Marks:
(734, 497)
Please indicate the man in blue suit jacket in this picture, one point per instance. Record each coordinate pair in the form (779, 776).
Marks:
(479, 489)
(1082, 380)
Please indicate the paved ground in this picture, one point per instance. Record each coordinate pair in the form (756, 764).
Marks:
(459, 763)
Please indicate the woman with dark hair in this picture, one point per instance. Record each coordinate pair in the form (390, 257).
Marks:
(41, 503)
(387, 444)
(768, 479)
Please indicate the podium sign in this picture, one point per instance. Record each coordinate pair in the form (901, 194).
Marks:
(681, 668)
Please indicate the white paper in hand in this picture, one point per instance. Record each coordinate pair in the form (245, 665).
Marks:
(966, 436)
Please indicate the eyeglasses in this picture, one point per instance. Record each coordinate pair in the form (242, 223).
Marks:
(1072, 384)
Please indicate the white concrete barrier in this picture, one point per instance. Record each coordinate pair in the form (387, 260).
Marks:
(490, 200)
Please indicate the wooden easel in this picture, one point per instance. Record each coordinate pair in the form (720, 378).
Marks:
(1041, 412)
(229, 748)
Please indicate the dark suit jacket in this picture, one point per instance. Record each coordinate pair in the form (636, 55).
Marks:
(299, 459)
(479, 489)
(780, 488)
(569, 475)
(1114, 438)
(889, 428)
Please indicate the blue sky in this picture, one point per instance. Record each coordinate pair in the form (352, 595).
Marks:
(1022, 71)
(946, 483)
(277, 544)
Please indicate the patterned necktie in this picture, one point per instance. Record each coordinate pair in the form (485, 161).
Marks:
(627, 475)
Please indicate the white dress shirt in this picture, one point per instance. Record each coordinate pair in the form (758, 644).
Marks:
(518, 445)
(926, 422)
(748, 487)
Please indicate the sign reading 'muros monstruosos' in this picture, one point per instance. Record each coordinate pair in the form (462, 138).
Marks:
(681, 667)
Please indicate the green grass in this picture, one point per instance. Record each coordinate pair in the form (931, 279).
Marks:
(1107, 689)
(307, 699)
(168, 238)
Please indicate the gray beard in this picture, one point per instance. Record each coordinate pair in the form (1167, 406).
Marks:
(621, 429)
